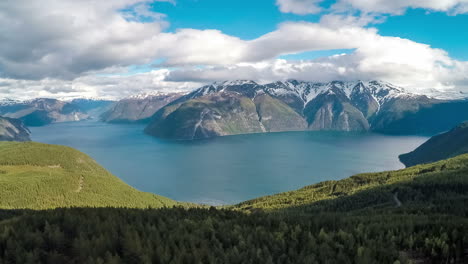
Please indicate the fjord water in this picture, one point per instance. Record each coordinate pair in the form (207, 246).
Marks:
(228, 170)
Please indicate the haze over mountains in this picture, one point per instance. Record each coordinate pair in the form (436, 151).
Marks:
(138, 108)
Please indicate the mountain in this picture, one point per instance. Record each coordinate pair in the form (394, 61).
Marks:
(239, 107)
(443, 146)
(138, 108)
(43, 111)
(13, 130)
(226, 108)
(40, 176)
(93, 107)
(423, 116)
(414, 215)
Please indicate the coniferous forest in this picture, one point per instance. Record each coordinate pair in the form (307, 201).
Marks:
(178, 235)
(414, 215)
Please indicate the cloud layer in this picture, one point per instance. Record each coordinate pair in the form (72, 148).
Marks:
(72, 48)
(395, 7)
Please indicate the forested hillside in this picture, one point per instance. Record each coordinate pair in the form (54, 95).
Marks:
(415, 215)
(440, 186)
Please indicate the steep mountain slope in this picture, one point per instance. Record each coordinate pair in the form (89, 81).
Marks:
(421, 115)
(40, 176)
(42, 111)
(221, 109)
(296, 105)
(443, 146)
(13, 130)
(332, 110)
(439, 187)
(138, 108)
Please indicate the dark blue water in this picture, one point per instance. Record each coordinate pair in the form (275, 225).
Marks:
(229, 169)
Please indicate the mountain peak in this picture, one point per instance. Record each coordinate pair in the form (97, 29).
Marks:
(235, 83)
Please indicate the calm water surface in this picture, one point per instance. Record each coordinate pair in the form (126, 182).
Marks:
(229, 169)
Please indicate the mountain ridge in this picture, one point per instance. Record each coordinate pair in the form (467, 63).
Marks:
(334, 106)
(138, 108)
(439, 147)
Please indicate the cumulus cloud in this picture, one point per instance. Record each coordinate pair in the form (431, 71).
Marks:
(112, 87)
(395, 7)
(65, 38)
(394, 59)
(84, 48)
(300, 7)
(398, 7)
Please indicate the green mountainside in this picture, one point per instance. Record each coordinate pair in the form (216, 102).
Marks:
(440, 186)
(414, 215)
(443, 146)
(40, 176)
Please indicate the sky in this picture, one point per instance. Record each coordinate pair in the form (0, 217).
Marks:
(118, 48)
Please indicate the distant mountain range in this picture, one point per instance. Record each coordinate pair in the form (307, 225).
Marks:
(440, 147)
(243, 106)
(138, 108)
(43, 111)
(240, 107)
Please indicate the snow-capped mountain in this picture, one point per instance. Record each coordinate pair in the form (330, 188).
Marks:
(240, 86)
(307, 91)
(147, 95)
(243, 106)
(8, 101)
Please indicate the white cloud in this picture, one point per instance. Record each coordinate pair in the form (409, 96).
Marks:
(65, 38)
(400, 6)
(93, 86)
(192, 47)
(395, 7)
(69, 53)
(300, 7)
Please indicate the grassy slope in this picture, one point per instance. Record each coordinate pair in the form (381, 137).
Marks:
(440, 186)
(40, 176)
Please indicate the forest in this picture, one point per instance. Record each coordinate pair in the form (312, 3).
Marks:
(414, 215)
(179, 235)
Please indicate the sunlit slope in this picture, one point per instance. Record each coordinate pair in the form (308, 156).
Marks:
(439, 187)
(40, 176)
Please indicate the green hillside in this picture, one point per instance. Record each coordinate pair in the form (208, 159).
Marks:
(443, 146)
(40, 176)
(414, 215)
(442, 186)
